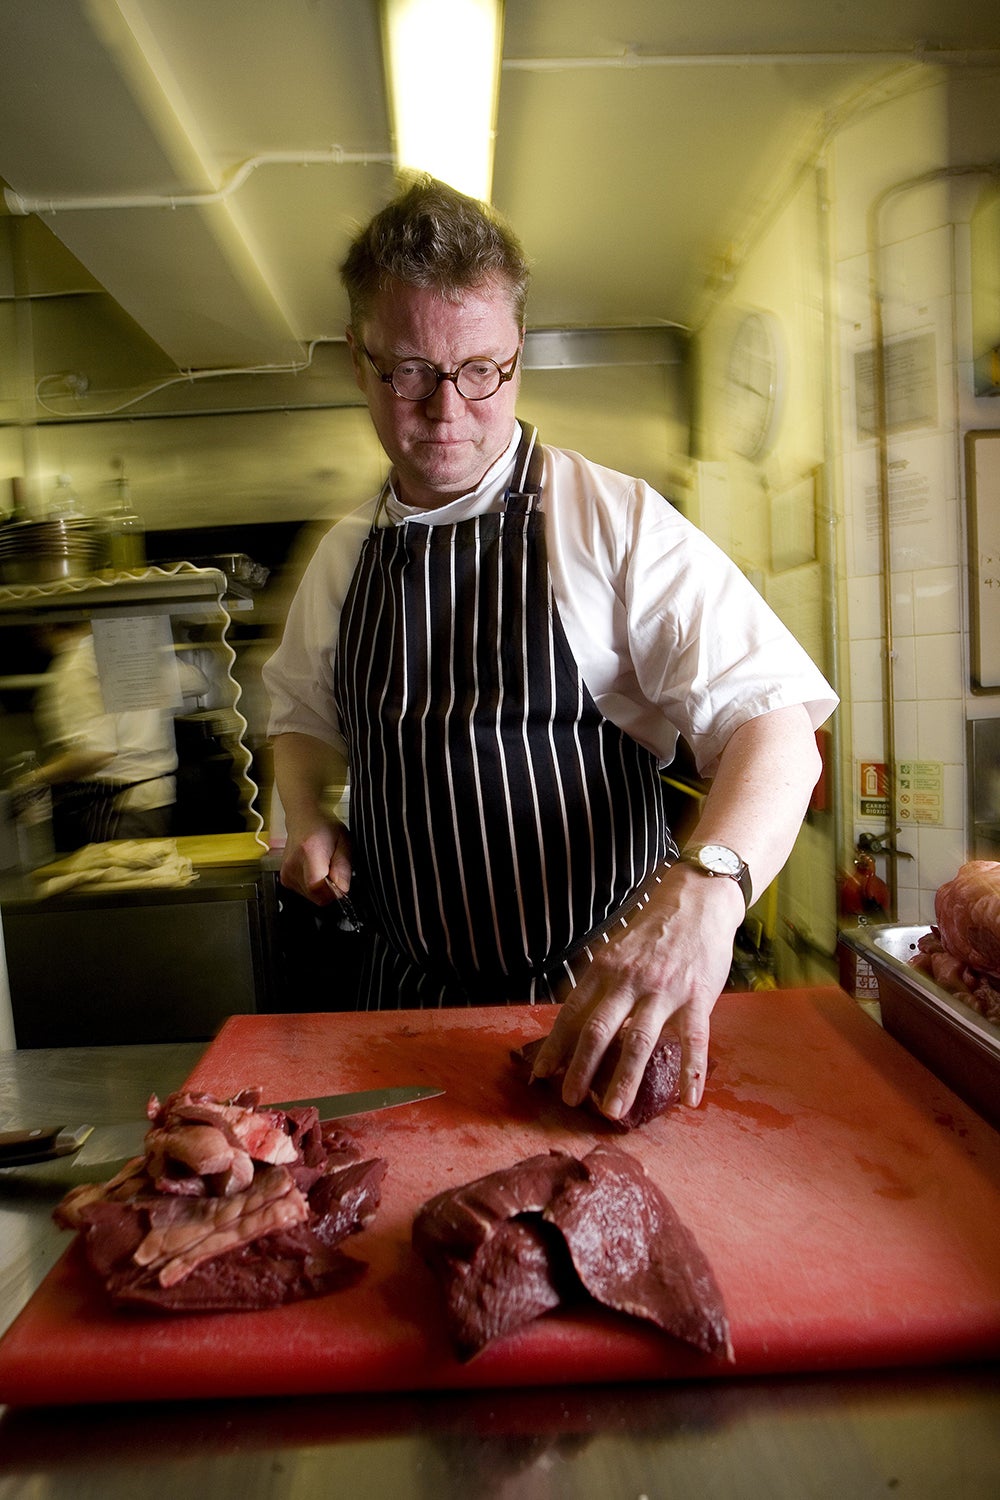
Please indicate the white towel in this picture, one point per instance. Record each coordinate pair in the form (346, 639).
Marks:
(118, 865)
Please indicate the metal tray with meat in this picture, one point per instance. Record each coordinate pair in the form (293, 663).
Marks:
(960, 1046)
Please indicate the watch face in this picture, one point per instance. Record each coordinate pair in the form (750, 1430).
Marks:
(720, 860)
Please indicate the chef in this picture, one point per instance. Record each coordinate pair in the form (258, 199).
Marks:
(499, 650)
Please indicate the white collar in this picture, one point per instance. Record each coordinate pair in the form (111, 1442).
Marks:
(475, 502)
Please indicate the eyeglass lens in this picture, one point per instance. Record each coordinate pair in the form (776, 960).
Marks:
(476, 379)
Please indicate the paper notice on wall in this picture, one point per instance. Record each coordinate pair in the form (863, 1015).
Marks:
(911, 386)
(920, 791)
(921, 483)
(136, 663)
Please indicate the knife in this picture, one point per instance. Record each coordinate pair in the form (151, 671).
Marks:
(91, 1144)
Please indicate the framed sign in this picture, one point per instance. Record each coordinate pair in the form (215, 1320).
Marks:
(982, 466)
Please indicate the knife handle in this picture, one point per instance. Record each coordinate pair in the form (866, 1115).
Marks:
(18, 1148)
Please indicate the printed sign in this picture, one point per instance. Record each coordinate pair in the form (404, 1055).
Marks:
(920, 791)
(873, 789)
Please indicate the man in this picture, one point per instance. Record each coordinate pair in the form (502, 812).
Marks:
(112, 774)
(504, 646)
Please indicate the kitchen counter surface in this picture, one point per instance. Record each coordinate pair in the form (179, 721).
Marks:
(915, 1433)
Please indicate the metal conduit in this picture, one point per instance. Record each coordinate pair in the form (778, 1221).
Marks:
(923, 179)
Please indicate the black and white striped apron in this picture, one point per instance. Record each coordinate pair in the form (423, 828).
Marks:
(498, 820)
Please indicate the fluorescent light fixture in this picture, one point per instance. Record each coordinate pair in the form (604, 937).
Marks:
(443, 71)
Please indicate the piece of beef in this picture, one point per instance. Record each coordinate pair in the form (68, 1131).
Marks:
(547, 1230)
(658, 1090)
(185, 1232)
(301, 1259)
(343, 1201)
(498, 1263)
(633, 1253)
(981, 992)
(270, 1272)
(967, 909)
(226, 1210)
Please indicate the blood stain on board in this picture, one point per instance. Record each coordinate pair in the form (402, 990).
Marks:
(755, 1110)
(892, 1185)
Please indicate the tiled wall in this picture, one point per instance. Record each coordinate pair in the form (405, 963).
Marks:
(919, 273)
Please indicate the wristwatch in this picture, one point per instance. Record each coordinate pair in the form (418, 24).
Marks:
(716, 859)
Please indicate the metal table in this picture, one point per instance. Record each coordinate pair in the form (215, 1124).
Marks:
(922, 1434)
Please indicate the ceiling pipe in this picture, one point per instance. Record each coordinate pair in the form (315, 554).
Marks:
(336, 156)
(632, 59)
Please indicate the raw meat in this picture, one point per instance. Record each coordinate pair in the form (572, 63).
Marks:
(232, 1206)
(500, 1264)
(632, 1252)
(658, 1091)
(968, 915)
(961, 952)
(979, 991)
(551, 1230)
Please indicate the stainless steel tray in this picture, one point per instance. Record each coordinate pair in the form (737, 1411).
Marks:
(958, 1044)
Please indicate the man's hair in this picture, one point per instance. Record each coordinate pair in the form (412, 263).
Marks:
(431, 235)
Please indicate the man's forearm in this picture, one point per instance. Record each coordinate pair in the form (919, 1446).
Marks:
(761, 791)
(72, 765)
(304, 768)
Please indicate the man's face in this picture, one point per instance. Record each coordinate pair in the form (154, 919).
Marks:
(441, 447)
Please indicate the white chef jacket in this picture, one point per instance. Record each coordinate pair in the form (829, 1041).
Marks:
(70, 712)
(669, 636)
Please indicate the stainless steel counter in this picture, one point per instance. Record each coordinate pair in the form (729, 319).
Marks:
(920, 1434)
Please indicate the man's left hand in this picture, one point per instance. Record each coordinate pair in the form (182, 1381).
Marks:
(667, 967)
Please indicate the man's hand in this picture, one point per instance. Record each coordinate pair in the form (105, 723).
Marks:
(317, 862)
(667, 967)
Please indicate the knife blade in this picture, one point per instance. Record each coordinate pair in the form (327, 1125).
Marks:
(89, 1145)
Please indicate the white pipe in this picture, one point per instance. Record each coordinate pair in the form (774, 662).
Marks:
(630, 59)
(335, 156)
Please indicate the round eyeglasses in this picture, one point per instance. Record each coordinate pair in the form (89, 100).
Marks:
(418, 379)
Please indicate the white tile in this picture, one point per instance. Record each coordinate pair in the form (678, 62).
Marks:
(942, 851)
(937, 601)
(869, 728)
(867, 684)
(864, 607)
(902, 603)
(940, 730)
(904, 668)
(941, 667)
(907, 726)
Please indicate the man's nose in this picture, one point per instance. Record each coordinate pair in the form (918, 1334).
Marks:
(446, 400)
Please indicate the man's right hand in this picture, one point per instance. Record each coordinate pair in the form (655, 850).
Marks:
(317, 862)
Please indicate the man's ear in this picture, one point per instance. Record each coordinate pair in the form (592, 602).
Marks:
(357, 358)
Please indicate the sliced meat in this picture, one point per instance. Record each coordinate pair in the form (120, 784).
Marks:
(550, 1229)
(344, 1200)
(980, 991)
(499, 1265)
(632, 1252)
(185, 1232)
(658, 1091)
(207, 1219)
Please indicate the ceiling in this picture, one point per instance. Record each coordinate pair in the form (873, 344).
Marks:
(637, 143)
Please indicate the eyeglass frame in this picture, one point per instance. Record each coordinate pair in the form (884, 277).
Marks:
(451, 375)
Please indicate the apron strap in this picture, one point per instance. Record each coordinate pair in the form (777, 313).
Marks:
(526, 480)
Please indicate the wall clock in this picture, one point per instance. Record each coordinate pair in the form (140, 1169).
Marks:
(755, 383)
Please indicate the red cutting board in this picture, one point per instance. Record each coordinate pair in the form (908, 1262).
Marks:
(848, 1202)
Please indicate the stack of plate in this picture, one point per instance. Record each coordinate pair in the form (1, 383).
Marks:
(45, 551)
